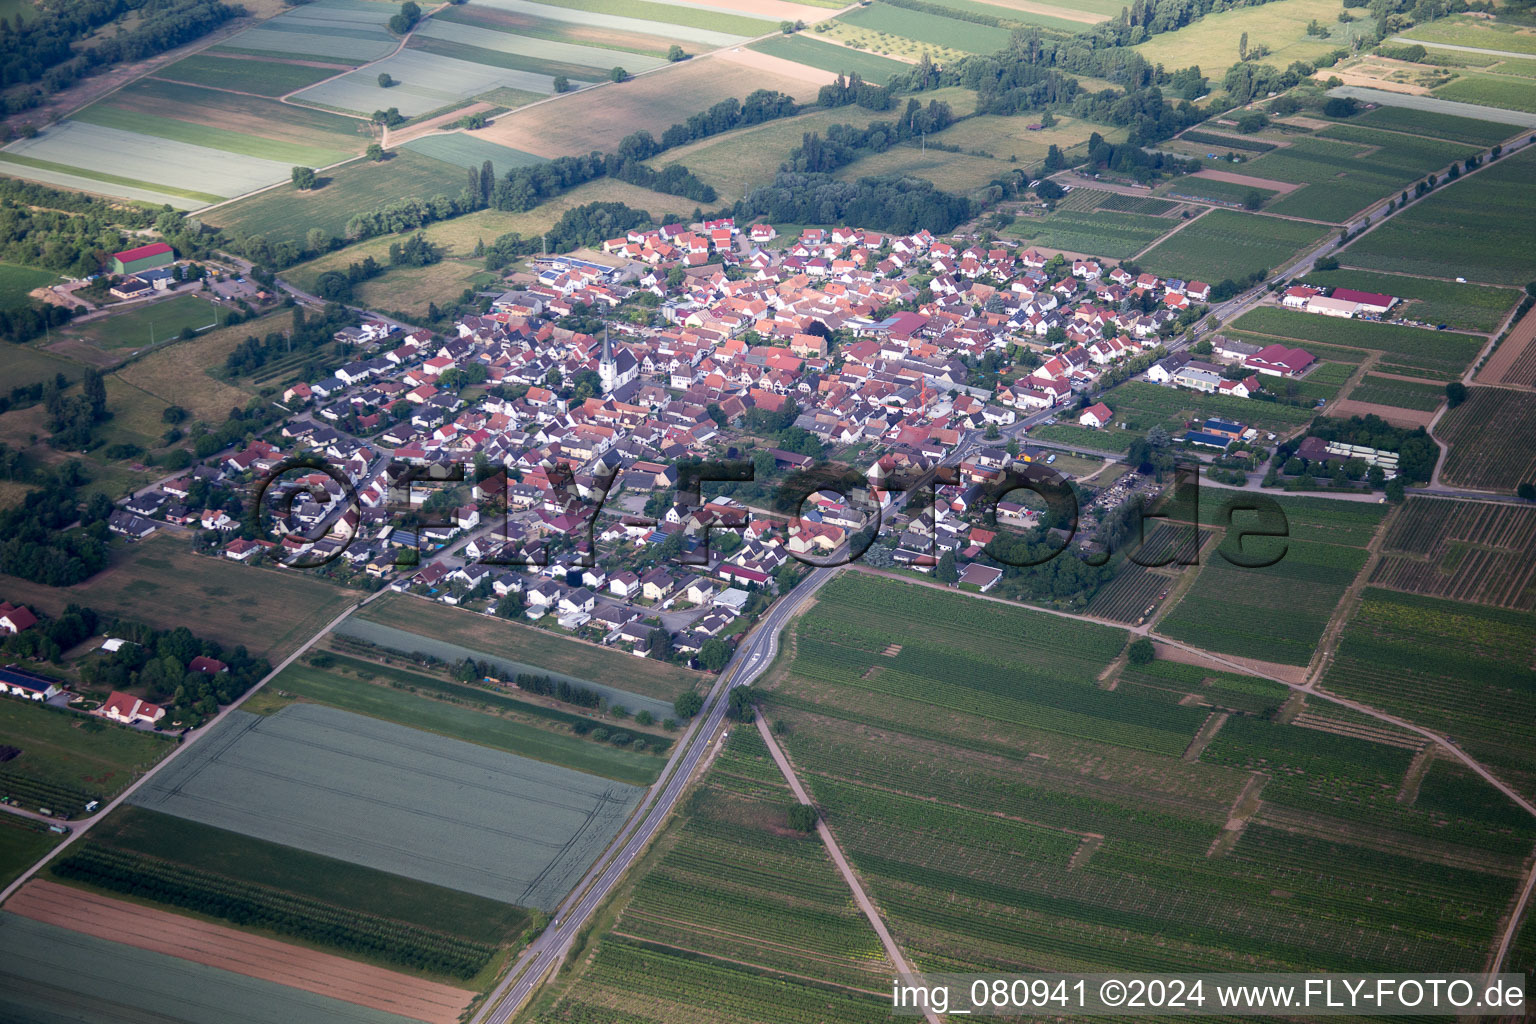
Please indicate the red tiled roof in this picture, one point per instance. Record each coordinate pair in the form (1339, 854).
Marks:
(152, 249)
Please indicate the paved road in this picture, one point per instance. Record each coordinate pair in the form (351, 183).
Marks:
(548, 951)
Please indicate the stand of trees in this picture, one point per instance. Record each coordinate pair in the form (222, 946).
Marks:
(901, 206)
(41, 543)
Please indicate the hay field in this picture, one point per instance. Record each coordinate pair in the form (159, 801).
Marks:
(181, 373)
(598, 118)
(398, 800)
(160, 582)
(43, 979)
(1212, 41)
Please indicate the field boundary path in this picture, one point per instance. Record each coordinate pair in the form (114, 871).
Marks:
(892, 949)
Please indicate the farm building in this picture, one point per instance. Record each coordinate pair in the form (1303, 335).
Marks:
(21, 683)
(145, 257)
(15, 617)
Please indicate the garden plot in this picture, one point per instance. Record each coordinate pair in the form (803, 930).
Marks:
(110, 154)
(679, 30)
(348, 30)
(599, 58)
(423, 82)
(398, 800)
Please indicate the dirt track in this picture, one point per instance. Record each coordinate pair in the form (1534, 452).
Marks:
(253, 956)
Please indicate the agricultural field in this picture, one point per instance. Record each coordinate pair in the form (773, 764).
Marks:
(542, 650)
(344, 31)
(1463, 551)
(165, 373)
(16, 281)
(1228, 193)
(263, 77)
(1482, 229)
(1375, 389)
(483, 44)
(161, 583)
(300, 146)
(68, 758)
(1514, 360)
(1140, 583)
(41, 981)
(468, 151)
(1276, 613)
(1441, 126)
(22, 844)
(882, 27)
(1348, 167)
(1493, 440)
(1482, 33)
(1211, 42)
(806, 49)
(396, 799)
(1467, 307)
(1224, 244)
(599, 118)
(989, 843)
(1141, 405)
(713, 26)
(1504, 91)
(424, 82)
(1105, 233)
(283, 214)
(733, 909)
(1413, 351)
(532, 25)
(1458, 668)
(476, 715)
(148, 323)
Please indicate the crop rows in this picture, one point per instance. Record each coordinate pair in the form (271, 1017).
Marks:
(1425, 350)
(36, 793)
(1403, 394)
(1126, 597)
(262, 907)
(1493, 440)
(1121, 203)
(1463, 550)
(1227, 142)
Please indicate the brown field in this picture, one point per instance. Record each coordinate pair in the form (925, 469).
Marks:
(1247, 179)
(432, 124)
(161, 583)
(1377, 73)
(1392, 414)
(598, 118)
(253, 956)
(1514, 361)
(587, 35)
(167, 372)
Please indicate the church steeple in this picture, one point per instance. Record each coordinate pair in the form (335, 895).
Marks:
(607, 369)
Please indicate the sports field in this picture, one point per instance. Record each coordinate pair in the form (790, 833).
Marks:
(41, 982)
(146, 323)
(396, 799)
(161, 583)
(1482, 229)
(547, 652)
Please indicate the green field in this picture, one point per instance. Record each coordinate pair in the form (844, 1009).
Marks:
(41, 983)
(68, 758)
(1428, 122)
(1465, 30)
(1459, 668)
(1481, 229)
(1401, 393)
(1008, 846)
(397, 799)
(671, 14)
(1277, 613)
(1467, 307)
(1095, 233)
(1225, 244)
(349, 692)
(16, 281)
(263, 77)
(532, 646)
(1493, 440)
(807, 50)
(149, 323)
(578, 73)
(1415, 351)
(1209, 188)
(22, 843)
(1212, 41)
(682, 955)
(240, 143)
(933, 29)
(283, 214)
(472, 151)
(162, 584)
(621, 41)
(1343, 174)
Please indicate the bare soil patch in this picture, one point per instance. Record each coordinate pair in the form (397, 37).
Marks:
(778, 10)
(253, 956)
(778, 66)
(1247, 179)
(1391, 413)
(1290, 673)
(432, 124)
(1514, 361)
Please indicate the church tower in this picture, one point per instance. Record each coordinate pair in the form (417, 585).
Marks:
(607, 369)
